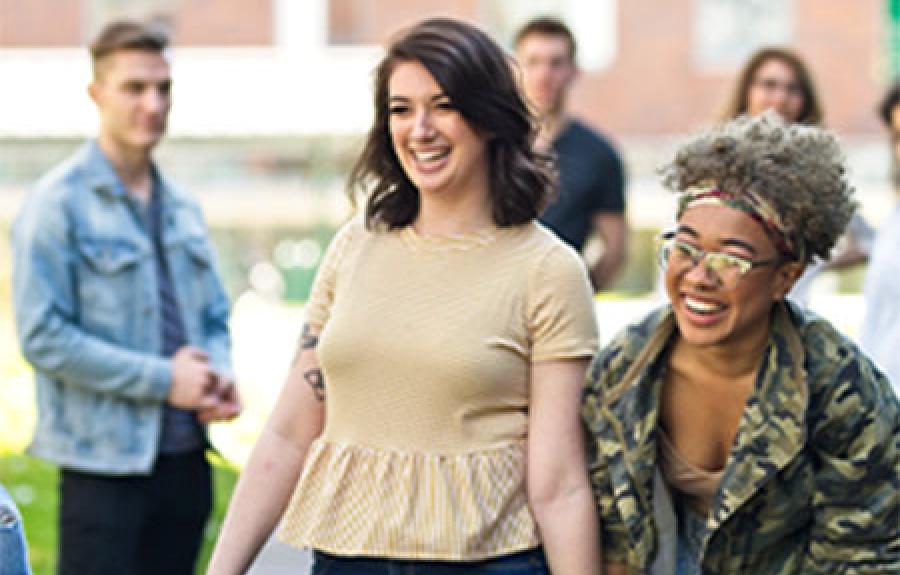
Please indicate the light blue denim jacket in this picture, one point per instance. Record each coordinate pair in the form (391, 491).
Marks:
(88, 316)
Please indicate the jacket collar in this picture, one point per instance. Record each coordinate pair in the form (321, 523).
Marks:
(103, 179)
(772, 430)
(770, 434)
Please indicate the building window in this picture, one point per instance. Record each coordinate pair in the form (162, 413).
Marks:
(100, 12)
(726, 32)
(352, 22)
(194, 22)
(366, 22)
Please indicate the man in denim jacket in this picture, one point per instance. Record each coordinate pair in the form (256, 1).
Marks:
(121, 313)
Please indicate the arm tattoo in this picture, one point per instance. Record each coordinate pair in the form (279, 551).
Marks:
(308, 340)
(313, 377)
(315, 380)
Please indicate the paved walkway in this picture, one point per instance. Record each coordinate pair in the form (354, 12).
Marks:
(280, 559)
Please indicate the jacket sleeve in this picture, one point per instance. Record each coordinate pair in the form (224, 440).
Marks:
(46, 307)
(856, 504)
(216, 313)
(601, 446)
(218, 340)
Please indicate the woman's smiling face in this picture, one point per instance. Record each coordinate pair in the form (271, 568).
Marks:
(726, 307)
(437, 148)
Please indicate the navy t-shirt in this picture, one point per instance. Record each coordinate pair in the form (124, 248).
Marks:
(181, 432)
(591, 180)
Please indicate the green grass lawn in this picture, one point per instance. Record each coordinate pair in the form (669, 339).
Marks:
(33, 484)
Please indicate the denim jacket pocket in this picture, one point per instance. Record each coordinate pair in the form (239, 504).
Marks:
(110, 284)
(108, 256)
(198, 252)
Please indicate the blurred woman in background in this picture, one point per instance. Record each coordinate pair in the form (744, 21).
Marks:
(776, 78)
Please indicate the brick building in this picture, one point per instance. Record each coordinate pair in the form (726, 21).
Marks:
(650, 67)
(271, 96)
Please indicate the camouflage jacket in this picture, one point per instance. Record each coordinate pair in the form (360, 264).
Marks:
(812, 483)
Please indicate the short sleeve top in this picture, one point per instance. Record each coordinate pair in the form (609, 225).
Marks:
(425, 348)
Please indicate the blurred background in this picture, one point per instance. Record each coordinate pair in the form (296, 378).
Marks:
(271, 101)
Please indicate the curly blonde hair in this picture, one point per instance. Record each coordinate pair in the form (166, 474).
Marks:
(798, 169)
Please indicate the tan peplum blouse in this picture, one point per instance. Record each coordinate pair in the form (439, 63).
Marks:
(425, 348)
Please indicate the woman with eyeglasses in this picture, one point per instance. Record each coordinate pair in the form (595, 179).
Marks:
(776, 78)
(734, 432)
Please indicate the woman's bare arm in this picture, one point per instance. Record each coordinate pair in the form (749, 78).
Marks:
(267, 482)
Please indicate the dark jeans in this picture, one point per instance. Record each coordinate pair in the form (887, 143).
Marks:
(525, 563)
(135, 525)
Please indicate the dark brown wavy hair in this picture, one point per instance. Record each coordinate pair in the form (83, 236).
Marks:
(477, 76)
(811, 114)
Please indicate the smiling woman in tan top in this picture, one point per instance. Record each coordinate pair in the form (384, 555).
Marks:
(430, 421)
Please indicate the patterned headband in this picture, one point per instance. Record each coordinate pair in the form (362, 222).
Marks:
(758, 208)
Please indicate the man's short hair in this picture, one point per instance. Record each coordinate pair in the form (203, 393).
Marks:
(891, 100)
(547, 26)
(121, 35)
